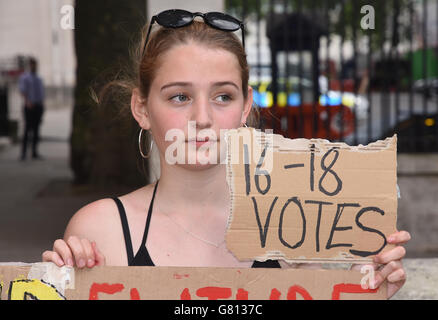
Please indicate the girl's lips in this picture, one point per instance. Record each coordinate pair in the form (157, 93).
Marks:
(201, 142)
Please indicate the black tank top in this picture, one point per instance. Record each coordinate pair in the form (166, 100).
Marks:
(142, 257)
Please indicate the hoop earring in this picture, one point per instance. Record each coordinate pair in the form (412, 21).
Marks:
(139, 146)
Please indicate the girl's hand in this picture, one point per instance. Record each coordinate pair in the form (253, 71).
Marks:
(393, 268)
(74, 252)
(391, 264)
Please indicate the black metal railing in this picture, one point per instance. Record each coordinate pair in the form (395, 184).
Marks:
(332, 77)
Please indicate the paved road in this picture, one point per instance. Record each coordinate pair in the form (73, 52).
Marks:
(36, 197)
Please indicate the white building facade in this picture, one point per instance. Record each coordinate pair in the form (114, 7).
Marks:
(33, 28)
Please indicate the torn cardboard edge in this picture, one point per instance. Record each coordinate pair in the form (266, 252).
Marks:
(282, 146)
(303, 145)
(38, 281)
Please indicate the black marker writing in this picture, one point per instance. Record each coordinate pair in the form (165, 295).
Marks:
(291, 166)
(318, 222)
(264, 232)
(246, 163)
(265, 173)
(280, 225)
(338, 215)
(360, 225)
(312, 167)
(329, 170)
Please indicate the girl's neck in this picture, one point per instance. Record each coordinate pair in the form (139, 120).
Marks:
(196, 193)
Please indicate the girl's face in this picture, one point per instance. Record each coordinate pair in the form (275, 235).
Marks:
(199, 85)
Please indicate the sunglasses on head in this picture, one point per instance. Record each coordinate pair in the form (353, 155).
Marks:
(177, 18)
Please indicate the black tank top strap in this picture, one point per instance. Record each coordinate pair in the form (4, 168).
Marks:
(125, 226)
(142, 258)
(148, 221)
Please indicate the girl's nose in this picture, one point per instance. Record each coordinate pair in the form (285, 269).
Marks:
(202, 113)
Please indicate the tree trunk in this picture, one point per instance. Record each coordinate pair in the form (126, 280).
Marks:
(104, 150)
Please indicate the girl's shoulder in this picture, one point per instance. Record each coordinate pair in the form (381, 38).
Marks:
(99, 221)
(103, 212)
(99, 212)
(89, 221)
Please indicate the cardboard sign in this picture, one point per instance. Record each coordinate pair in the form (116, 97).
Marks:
(46, 281)
(297, 200)
(309, 200)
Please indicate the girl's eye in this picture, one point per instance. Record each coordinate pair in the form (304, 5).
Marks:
(224, 98)
(180, 98)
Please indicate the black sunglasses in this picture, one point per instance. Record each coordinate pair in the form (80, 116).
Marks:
(177, 18)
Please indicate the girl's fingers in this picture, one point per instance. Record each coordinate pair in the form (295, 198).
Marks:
(394, 254)
(52, 256)
(400, 237)
(397, 275)
(390, 268)
(74, 251)
(393, 268)
(63, 250)
(46, 256)
(78, 251)
(57, 259)
(386, 271)
(89, 252)
(100, 258)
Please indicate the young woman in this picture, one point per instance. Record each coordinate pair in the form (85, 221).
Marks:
(188, 70)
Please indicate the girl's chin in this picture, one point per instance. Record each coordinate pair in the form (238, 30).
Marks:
(198, 166)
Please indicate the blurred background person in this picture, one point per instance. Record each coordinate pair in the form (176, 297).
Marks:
(32, 89)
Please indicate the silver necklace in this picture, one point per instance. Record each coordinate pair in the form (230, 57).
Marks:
(194, 235)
